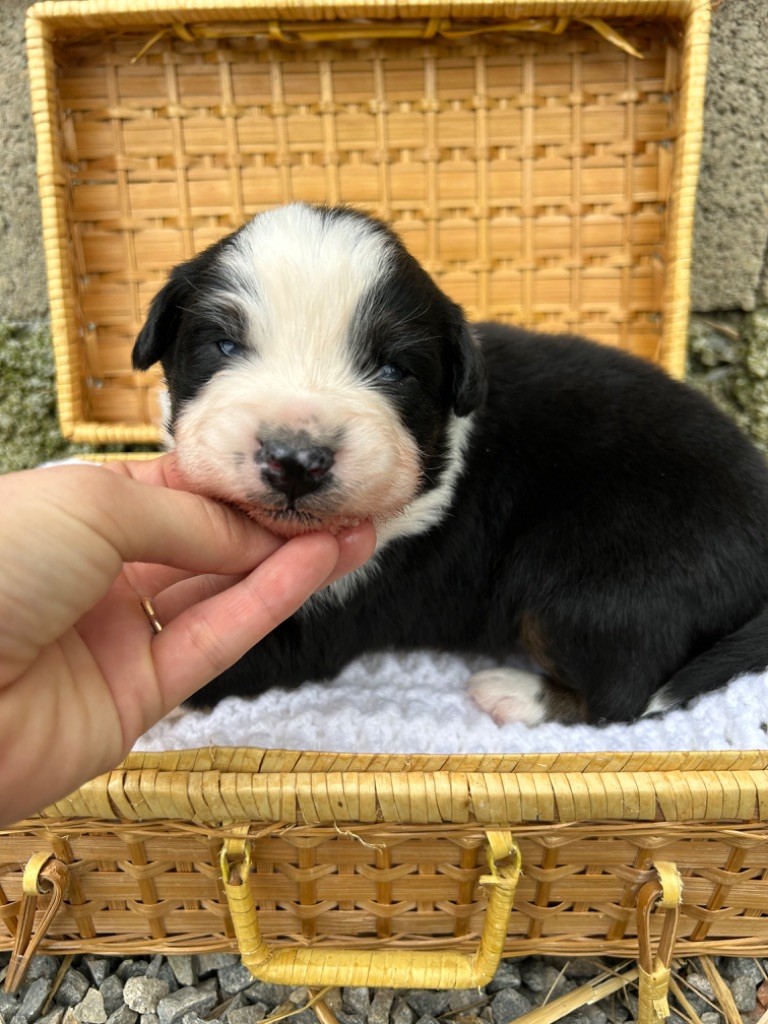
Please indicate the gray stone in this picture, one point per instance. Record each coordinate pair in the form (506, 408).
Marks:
(91, 1009)
(56, 1017)
(186, 1000)
(543, 978)
(465, 999)
(32, 1002)
(742, 967)
(711, 1018)
(235, 978)
(154, 966)
(401, 1012)
(166, 974)
(207, 963)
(701, 984)
(349, 1018)
(236, 1002)
(509, 1004)
(9, 1004)
(631, 1000)
(427, 1019)
(302, 1016)
(112, 993)
(356, 1000)
(744, 993)
(149, 1018)
(594, 1014)
(333, 999)
(182, 969)
(192, 1018)
(42, 967)
(507, 976)
(97, 967)
(578, 968)
(487, 1014)
(132, 969)
(265, 992)
(427, 1003)
(72, 989)
(699, 1004)
(575, 1018)
(143, 994)
(123, 1015)
(247, 1014)
(380, 1006)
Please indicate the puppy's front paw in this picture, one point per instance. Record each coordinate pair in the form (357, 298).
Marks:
(510, 695)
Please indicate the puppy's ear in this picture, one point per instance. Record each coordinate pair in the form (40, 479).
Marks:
(162, 322)
(470, 380)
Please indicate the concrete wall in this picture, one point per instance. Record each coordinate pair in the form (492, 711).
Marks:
(22, 273)
(730, 278)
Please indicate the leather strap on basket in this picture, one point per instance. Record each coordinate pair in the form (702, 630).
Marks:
(667, 892)
(44, 874)
(393, 968)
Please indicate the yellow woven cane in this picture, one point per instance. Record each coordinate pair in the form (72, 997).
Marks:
(667, 892)
(380, 967)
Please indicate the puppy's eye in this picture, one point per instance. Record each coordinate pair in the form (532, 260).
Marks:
(227, 347)
(391, 373)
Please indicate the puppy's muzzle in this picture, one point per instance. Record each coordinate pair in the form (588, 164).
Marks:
(295, 470)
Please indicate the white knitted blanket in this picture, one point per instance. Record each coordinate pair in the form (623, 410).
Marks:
(417, 703)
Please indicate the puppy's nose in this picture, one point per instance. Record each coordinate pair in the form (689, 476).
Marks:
(295, 470)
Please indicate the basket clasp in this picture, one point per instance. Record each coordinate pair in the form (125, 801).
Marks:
(654, 970)
(43, 875)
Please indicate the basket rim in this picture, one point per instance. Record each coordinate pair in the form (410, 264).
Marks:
(66, 13)
(227, 785)
(271, 760)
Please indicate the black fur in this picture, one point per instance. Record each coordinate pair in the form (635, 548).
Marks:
(608, 516)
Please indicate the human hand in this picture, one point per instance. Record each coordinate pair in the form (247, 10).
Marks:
(82, 674)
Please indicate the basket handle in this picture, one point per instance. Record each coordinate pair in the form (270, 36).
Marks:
(393, 968)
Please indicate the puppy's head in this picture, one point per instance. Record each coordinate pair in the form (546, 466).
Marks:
(314, 370)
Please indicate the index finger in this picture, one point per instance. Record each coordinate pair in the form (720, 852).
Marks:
(161, 471)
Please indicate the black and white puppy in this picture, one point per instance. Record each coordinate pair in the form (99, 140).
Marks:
(526, 489)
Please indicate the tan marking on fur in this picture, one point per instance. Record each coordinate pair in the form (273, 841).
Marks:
(562, 703)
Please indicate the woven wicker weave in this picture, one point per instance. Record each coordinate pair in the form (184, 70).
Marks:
(544, 175)
(358, 851)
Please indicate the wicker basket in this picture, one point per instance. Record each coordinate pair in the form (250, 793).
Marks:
(544, 174)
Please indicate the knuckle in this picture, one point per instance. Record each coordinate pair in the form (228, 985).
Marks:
(224, 524)
(206, 642)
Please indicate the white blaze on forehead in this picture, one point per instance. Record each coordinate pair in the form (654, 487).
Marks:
(299, 275)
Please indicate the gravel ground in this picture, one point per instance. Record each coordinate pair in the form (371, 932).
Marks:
(92, 989)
